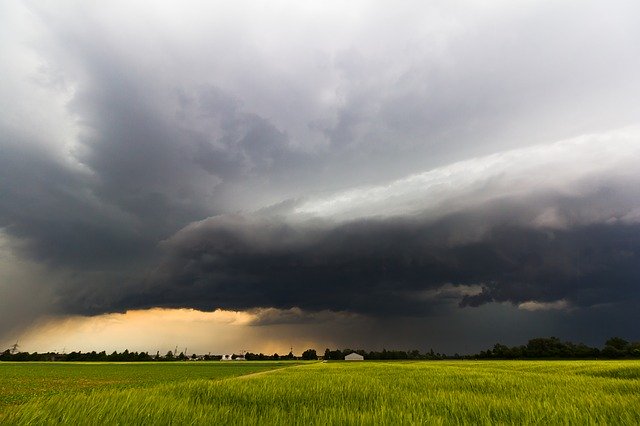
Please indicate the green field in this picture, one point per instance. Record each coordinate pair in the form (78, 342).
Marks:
(487, 392)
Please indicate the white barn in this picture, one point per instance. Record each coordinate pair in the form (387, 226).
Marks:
(354, 357)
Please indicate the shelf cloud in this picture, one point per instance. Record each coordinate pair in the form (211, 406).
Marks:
(524, 231)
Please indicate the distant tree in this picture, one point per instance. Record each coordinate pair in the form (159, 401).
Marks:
(501, 351)
(336, 355)
(617, 343)
(309, 354)
(144, 356)
(616, 347)
(546, 347)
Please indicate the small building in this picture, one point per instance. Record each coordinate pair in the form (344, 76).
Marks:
(354, 357)
(234, 357)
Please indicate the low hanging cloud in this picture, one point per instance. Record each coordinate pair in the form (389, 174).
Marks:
(529, 232)
(382, 267)
(544, 306)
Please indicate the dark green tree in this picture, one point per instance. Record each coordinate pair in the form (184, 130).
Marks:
(617, 343)
(309, 354)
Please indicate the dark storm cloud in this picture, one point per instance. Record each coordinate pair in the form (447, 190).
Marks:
(125, 127)
(395, 266)
(137, 175)
(54, 211)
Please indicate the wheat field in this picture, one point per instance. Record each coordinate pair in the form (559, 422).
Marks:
(421, 392)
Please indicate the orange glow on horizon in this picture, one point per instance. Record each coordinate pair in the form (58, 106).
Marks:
(161, 330)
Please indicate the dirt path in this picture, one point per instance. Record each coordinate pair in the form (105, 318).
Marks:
(260, 373)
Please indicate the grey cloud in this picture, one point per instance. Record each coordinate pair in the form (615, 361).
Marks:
(384, 266)
(273, 316)
(496, 81)
(425, 89)
(56, 213)
(116, 139)
(242, 144)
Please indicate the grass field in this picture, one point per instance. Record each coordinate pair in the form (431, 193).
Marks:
(486, 392)
(21, 382)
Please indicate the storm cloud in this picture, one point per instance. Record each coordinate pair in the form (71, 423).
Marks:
(552, 238)
(379, 160)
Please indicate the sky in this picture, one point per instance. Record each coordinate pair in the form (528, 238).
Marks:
(252, 175)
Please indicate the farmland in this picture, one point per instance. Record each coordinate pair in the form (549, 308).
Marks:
(323, 393)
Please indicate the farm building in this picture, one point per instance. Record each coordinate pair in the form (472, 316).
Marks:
(233, 358)
(354, 357)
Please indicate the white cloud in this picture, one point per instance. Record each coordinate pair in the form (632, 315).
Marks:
(533, 305)
(450, 291)
(574, 167)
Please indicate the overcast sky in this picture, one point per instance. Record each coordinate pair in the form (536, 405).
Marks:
(252, 175)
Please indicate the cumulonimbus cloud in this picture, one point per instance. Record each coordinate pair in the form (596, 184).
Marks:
(542, 224)
(351, 158)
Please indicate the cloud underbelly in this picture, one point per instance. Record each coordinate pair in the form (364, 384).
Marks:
(527, 231)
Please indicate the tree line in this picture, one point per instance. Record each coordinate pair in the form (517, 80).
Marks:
(115, 356)
(538, 348)
(554, 348)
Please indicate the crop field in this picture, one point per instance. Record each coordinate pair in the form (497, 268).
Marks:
(21, 382)
(420, 392)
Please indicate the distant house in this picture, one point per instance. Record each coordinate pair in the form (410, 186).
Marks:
(233, 358)
(354, 357)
